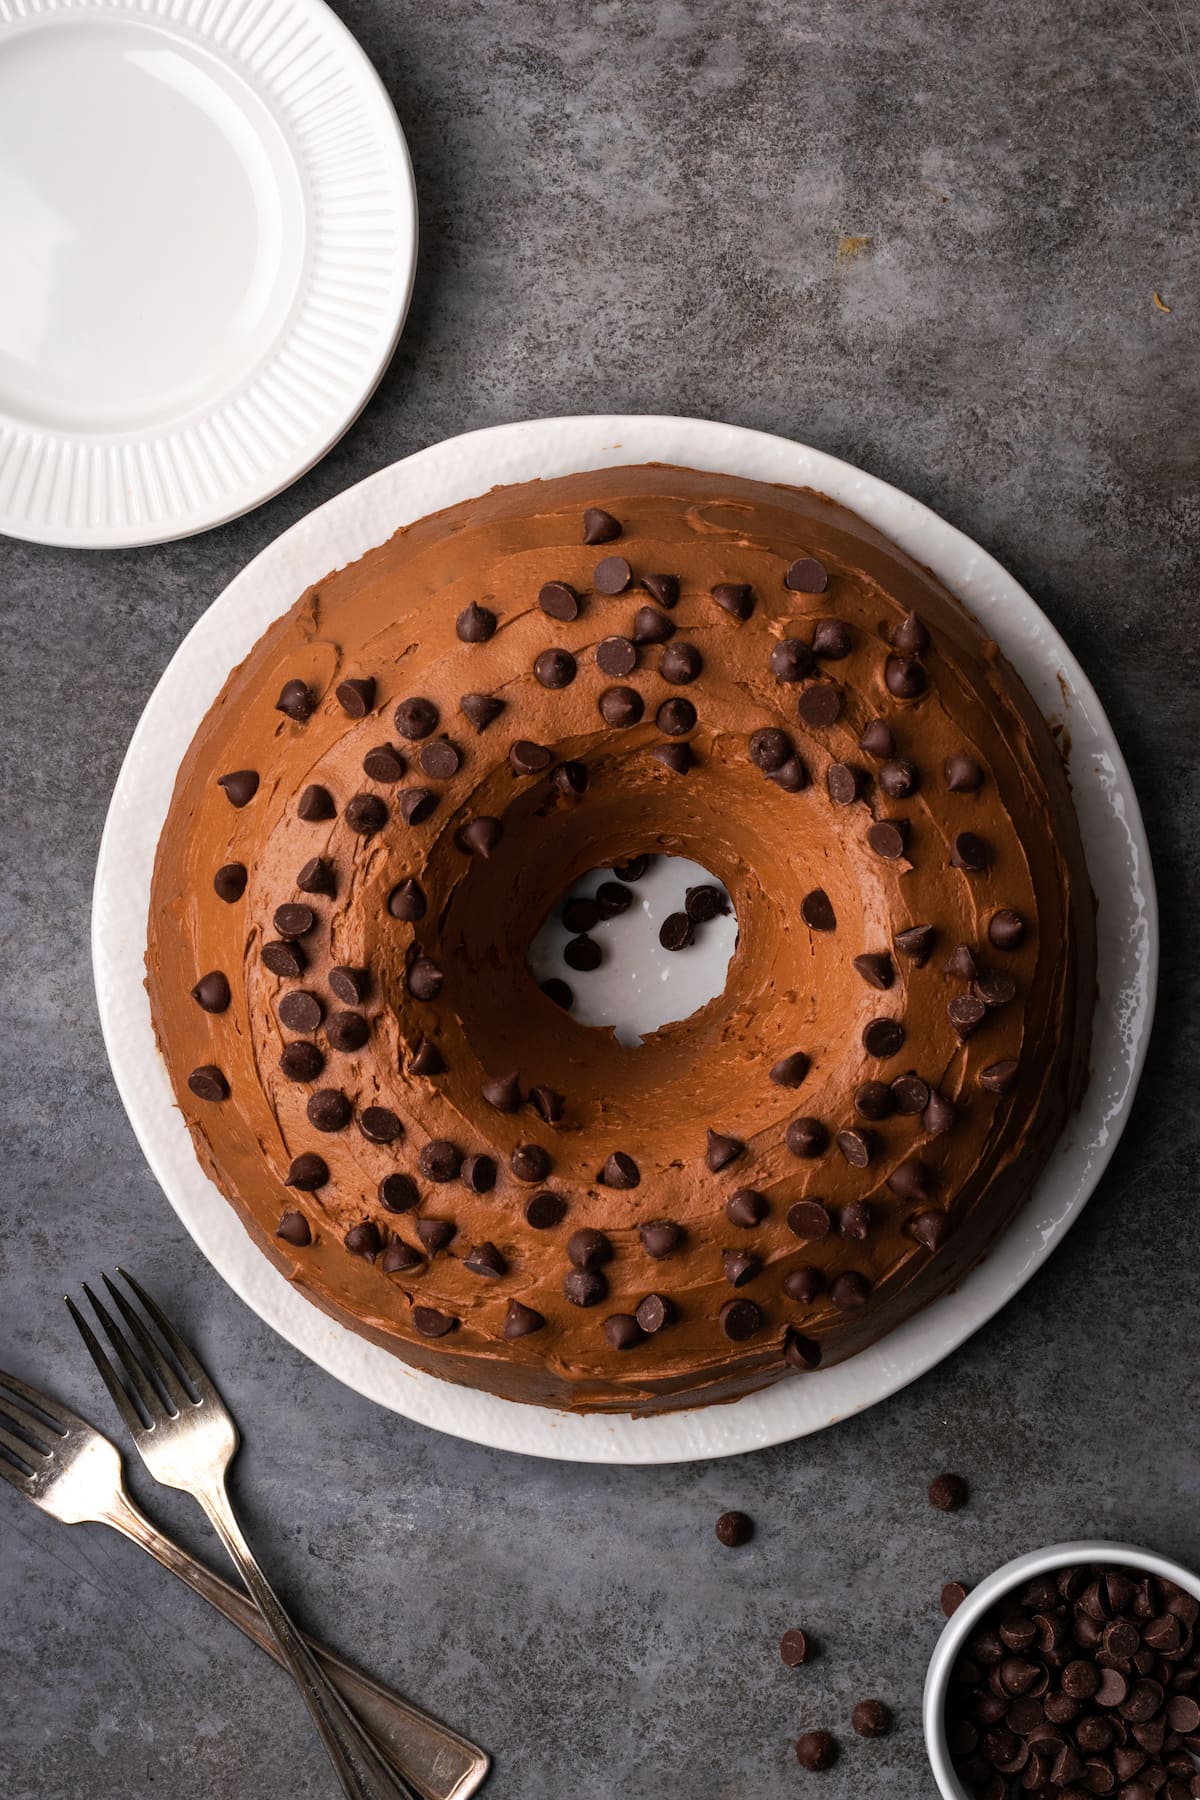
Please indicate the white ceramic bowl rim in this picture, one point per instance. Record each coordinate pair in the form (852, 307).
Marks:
(1012, 1574)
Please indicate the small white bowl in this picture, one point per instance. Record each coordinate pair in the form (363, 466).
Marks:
(1012, 1575)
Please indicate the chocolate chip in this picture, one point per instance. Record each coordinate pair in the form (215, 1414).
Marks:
(653, 1313)
(297, 700)
(633, 869)
(417, 804)
(530, 1162)
(831, 639)
(208, 1083)
(558, 600)
(504, 1092)
(599, 527)
(910, 637)
(440, 1160)
(240, 786)
(432, 1323)
(612, 575)
(559, 992)
(806, 1137)
(660, 1237)
(379, 1125)
(307, 1172)
(995, 990)
(680, 664)
(416, 718)
(588, 1249)
(585, 1287)
(910, 1095)
(318, 876)
(294, 920)
(676, 931)
(440, 759)
(871, 1718)
(479, 1173)
(616, 656)
(909, 1179)
(583, 953)
(966, 1014)
(407, 900)
(349, 985)
(612, 899)
(916, 942)
(809, 1220)
(873, 1101)
(804, 1284)
(555, 668)
(328, 1110)
(746, 1207)
(521, 1321)
(952, 1596)
(620, 1171)
(790, 1071)
(485, 1259)
(301, 1062)
(721, 1150)
(621, 707)
(399, 1193)
(384, 764)
(1006, 929)
(792, 660)
(283, 958)
(356, 696)
(665, 588)
(547, 1102)
(876, 969)
(347, 1032)
(794, 1648)
(623, 1331)
(970, 852)
(315, 803)
(734, 1529)
(704, 903)
(675, 718)
(883, 1037)
(850, 1291)
(769, 749)
(740, 1320)
(229, 882)
(816, 1750)
(571, 779)
(425, 979)
(878, 739)
(820, 705)
(735, 597)
(843, 782)
(961, 962)
(294, 1228)
(479, 837)
(857, 1147)
(899, 779)
(650, 626)
(435, 1234)
(948, 1493)
(366, 814)
(939, 1115)
(963, 775)
(817, 911)
(400, 1257)
(475, 624)
(545, 1211)
(905, 677)
(211, 992)
(807, 576)
(481, 709)
(301, 1010)
(930, 1229)
(888, 838)
(426, 1059)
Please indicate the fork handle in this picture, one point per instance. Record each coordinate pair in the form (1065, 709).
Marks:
(363, 1773)
(437, 1762)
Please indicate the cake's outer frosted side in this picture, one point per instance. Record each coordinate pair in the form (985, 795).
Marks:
(391, 616)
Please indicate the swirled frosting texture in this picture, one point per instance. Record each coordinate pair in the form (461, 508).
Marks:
(938, 1184)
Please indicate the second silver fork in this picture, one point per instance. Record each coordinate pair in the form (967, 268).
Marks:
(187, 1439)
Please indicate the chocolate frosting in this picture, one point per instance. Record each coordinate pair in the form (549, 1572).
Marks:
(449, 608)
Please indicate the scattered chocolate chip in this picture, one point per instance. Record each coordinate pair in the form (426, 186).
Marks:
(660, 1237)
(399, 1193)
(620, 1171)
(816, 1750)
(800, 1352)
(528, 758)
(585, 1287)
(440, 1160)
(676, 757)
(208, 1083)
(806, 1137)
(583, 953)
(999, 1077)
(294, 920)
(211, 993)
(479, 1173)
(284, 958)
(356, 696)
(315, 803)
(407, 900)
(790, 1071)
(425, 979)
(734, 597)
(910, 1095)
(961, 962)
(328, 1110)
(676, 931)
(612, 899)
(416, 718)
(229, 882)
(704, 903)
(632, 869)
(740, 1320)
(440, 759)
(873, 1101)
(301, 1061)
(734, 1529)
(504, 1092)
(883, 1037)
(910, 637)
(888, 838)
(746, 1207)
(966, 1014)
(599, 527)
(831, 639)
(930, 1229)
(547, 1102)
(621, 707)
(664, 588)
(383, 763)
(850, 1291)
(365, 814)
(1006, 929)
(294, 1228)
(623, 1331)
(675, 718)
(878, 739)
(939, 1115)
(588, 1249)
(792, 660)
(650, 626)
(432, 1323)
(854, 1220)
(899, 778)
(349, 985)
(481, 709)
(475, 624)
(612, 575)
(876, 969)
(435, 1234)
(240, 786)
(653, 1313)
(871, 1718)
(347, 1032)
(318, 876)
(680, 663)
(794, 1648)
(616, 656)
(558, 600)
(399, 1257)
(297, 701)
(995, 990)
(905, 677)
(559, 992)
(721, 1150)
(379, 1125)
(807, 576)
(856, 1146)
(417, 804)
(480, 837)
(485, 1259)
(916, 942)
(521, 1321)
(308, 1172)
(817, 911)
(952, 1596)
(769, 749)
(909, 1179)
(571, 779)
(530, 1162)
(963, 775)
(809, 1220)
(970, 852)
(820, 705)
(948, 1493)
(843, 782)
(545, 1211)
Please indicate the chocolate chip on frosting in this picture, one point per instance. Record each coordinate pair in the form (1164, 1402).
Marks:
(503, 1092)
(910, 1095)
(675, 718)
(347, 1032)
(398, 1193)
(621, 707)
(806, 1137)
(530, 1162)
(909, 1179)
(558, 600)
(970, 852)
(485, 1259)
(856, 1146)
(475, 624)
(416, 718)
(873, 1100)
(888, 838)
(297, 701)
(366, 814)
(599, 527)
(399, 1257)
(876, 968)
(571, 779)
(623, 1331)
(660, 1237)
(407, 900)
(883, 1037)
(740, 1320)
(735, 597)
(612, 575)
(417, 804)
(284, 957)
(821, 704)
(356, 696)
(966, 1014)
(910, 637)
(996, 989)
(229, 882)
(804, 1285)
(769, 749)
(916, 942)
(807, 576)
(379, 1125)
(1006, 929)
(208, 1083)
(664, 588)
(620, 1171)
(211, 992)
(676, 757)
(843, 782)
(307, 1172)
(816, 910)
(809, 1220)
(850, 1291)
(294, 1229)
(616, 656)
(478, 1172)
(790, 1071)
(301, 1061)
(999, 1077)
(878, 739)
(650, 626)
(432, 1323)
(939, 1115)
(588, 1249)
(545, 1211)
(440, 1160)
(440, 759)
(680, 663)
(585, 1287)
(930, 1229)
(792, 660)
(328, 1110)
(425, 979)
(240, 787)
(722, 1150)
(746, 1207)
(905, 677)
(481, 709)
(349, 985)
(480, 836)
(315, 803)
(547, 1102)
(436, 1234)
(294, 920)
(962, 773)
(318, 876)
(654, 1312)
(521, 1320)
(831, 639)
(899, 778)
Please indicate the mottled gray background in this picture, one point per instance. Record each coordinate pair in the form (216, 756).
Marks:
(637, 207)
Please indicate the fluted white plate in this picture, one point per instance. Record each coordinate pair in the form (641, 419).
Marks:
(208, 233)
(342, 530)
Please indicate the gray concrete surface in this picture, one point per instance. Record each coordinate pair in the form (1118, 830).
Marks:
(640, 207)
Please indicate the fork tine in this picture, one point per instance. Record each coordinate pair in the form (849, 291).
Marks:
(183, 1355)
(54, 1410)
(20, 1448)
(121, 1400)
(160, 1367)
(19, 1478)
(38, 1430)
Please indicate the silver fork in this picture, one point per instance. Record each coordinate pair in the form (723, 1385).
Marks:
(187, 1439)
(73, 1472)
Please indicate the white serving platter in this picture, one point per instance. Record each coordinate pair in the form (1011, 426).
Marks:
(365, 515)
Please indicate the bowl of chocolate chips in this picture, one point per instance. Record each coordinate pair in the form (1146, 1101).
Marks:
(1070, 1672)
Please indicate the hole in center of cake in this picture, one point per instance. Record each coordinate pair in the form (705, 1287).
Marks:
(639, 945)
